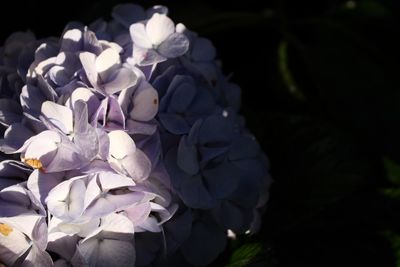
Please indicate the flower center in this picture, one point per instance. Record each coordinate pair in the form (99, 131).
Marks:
(34, 163)
(5, 229)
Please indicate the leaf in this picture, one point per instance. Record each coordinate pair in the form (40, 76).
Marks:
(285, 71)
(243, 255)
(371, 8)
(393, 176)
(392, 170)
(394, 240)
(393, 193)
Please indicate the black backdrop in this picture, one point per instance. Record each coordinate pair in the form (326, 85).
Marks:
(321, 91)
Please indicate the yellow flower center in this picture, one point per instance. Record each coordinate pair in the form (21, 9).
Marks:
(5, 229)
(34, 163)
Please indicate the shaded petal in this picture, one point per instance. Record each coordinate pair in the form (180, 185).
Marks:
(174, 123)
(14, 137)
(12, 168)
(174, 46)
(40, 184)
(194, 193)
(10, 112)
(216, 129)
(68, 157)
(71, 41)
(187, 157)
(121, 79)
(108, 252)
(178, 230)
(47, 90)
(203, 50)
(245, 146)
(146, 128)
(205, 243)
(146, 56)
(157, 9)
(62, 244)
(182, 96)
(37, 257)
(222, 180)
(127, 14)
(31, 99)
(115, 117)
(230, 216)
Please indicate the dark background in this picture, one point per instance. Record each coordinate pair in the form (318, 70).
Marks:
(321, 91)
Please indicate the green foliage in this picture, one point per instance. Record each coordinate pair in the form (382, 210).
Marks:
(394, 240)
(244, 255)
(392, 170)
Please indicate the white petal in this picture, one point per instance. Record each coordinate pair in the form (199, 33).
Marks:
(82, 229)
(109, 180)
(118, 223)
(85, 95)
(66, 200)
(139, 35)
(106, 63)
(119, 80)
(45, 65)
(106, 44)
(25, 223)
(13, 243)
(159, 27)
(114, 223)
(42, 147)
(145, 103)
(76, 198)
(121, 144)
(137, 165)
(124, 98)
(60, 115)
(88, 61)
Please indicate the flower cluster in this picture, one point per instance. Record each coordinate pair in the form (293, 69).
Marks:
(122, 145)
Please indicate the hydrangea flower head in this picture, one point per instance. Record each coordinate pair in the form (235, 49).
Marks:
(121, 145)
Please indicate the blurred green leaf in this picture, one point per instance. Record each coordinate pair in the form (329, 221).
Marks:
(392, 170)
(393, 175)
(287, 77)
(370, 8)
(394, 240)
(244, 255)
(393, 193)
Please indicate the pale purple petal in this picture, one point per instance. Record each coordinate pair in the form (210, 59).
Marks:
(174, 46)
